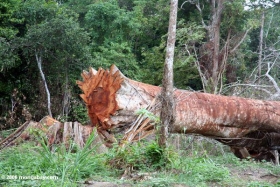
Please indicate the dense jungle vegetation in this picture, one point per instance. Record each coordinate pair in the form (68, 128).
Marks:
(46, 44)
(63, 38)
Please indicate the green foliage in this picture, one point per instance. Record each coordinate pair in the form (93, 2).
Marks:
(158, 157)
(8, 31)
(119, 54)
(202, 170)
(113, 30)
(185, 72)
(81, 7)
(36, 11)
(7, 54)
(68, 165)
(78, 112)
(188, 35)
(8, 19)
(141, 156)
(148, 114)
(234, 16)
(168, 167)
(60, 34)
(153, 62)
(53, 33)
(104, 17)
(271, 29)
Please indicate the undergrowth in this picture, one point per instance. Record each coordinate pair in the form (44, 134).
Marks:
(141, 156)
(67, 166)
(197, 165)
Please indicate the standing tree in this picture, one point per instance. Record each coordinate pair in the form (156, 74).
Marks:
(226, 30)
(167, 110)
(54, 40)
(266, 74)
(261, 45)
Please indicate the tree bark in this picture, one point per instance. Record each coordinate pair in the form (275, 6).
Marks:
(55, 133)
(261, 47)
(114, 101)
(213, 56)
(167, 110)
(214, 33)
(38, 55)
(115, 104)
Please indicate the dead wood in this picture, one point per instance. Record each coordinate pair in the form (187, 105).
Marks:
(54, 132)
(113, 100)
(118, 104)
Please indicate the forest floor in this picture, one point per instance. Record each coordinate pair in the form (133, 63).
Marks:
(194, 161)
(249, 176)
(240, 177)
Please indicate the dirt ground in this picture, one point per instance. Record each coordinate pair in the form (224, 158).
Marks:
(255, 175)
(246, 175)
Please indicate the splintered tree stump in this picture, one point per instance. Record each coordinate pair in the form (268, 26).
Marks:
(113, 101)
(55, 132)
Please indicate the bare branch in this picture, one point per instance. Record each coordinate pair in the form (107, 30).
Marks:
(197, 4)
(241, 41)
(202, 76)
(269, 23)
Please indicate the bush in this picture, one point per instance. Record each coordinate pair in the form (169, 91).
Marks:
(141, 156)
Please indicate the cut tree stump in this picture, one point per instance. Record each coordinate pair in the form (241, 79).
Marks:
(55, 132)
(116, 103)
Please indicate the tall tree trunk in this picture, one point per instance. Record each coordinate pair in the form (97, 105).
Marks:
(214, 32)
(167, 110)
(38, 55)
(261, 46)
(66, 97)
(212, 58)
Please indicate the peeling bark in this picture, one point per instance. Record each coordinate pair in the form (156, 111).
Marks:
(167, 110)
(250, 127)
(38, 56)
(261, 46)
(112, 101)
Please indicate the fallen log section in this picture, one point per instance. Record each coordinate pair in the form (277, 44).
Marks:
(117, 103)
(54, 132)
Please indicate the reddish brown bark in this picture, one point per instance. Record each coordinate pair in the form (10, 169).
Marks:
(238, 122)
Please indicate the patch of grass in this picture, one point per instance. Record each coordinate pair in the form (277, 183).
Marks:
(140, 156)
(6, 133)
(199, 170)
(68, 166)
(164, 167)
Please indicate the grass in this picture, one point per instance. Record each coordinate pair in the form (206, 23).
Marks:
(71, 166)
(68, 166)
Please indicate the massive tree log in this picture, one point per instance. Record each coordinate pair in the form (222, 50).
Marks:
(115, 103)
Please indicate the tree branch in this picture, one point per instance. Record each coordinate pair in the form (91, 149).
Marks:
(38, 55)
(240, 42)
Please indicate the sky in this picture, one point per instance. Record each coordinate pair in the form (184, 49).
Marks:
(264, 2)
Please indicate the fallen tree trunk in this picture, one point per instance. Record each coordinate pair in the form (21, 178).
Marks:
(116, 103)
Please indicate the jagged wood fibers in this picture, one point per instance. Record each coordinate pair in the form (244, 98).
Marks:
(54, 132)
(112, 101)
(250, 127)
